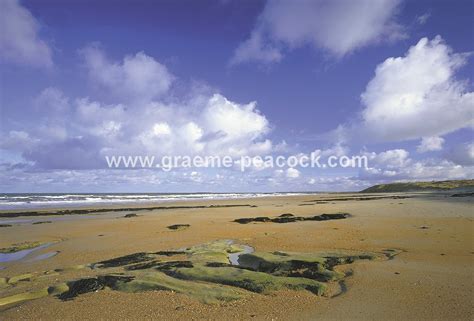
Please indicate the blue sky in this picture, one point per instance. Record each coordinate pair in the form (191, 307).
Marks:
(389, 79)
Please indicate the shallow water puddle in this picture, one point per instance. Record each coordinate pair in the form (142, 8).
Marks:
(234, 257)
(15, 256)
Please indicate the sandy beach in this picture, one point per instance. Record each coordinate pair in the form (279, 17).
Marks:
(431, 278)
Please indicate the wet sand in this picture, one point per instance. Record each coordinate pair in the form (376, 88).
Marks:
(432, 279)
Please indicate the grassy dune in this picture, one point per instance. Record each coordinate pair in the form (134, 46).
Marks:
(467, 184)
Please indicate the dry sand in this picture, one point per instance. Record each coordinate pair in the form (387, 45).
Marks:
(432, 279)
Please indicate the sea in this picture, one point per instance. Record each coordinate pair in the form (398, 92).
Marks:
(55, 200)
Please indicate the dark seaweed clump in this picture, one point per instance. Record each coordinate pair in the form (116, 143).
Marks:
(162, 266)
(125, 209)
(358, 198)
(178, 226)
(463, 194)
(125, 260)
(169, 253)
(290, 218)
(91, 285)
(130, 215)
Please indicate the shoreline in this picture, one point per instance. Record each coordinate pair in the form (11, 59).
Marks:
(81, 204)
(96, 208)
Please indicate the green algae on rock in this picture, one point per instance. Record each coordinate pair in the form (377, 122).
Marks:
(204, 292)
(20, 247)
(205, 272)
(254, 281)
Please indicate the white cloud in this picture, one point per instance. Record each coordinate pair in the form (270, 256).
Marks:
(337, 150)
(337, 26)
(422, 170)
(81, 131)
(221, 115)
(52, 98)
(232, 124)
(292, 173)
(428, 144)
(394, 165)
(336, 183)
(255, 48)
(161, 129)
(417, 95)
(423, 18)
(138, 77)
(17, 140)
(394, 158)
(19, 40)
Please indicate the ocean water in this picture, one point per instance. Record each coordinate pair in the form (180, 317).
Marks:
(30, 201)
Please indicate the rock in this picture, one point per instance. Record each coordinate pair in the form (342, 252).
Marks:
(130, 215)
(178, 226)
(286, 215)
(124, 260)
(290, 218)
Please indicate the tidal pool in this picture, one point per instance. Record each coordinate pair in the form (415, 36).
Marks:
(18, 255)
(234, 257)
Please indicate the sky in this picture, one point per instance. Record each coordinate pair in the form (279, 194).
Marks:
(391, 80)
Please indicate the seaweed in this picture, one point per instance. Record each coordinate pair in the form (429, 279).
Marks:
(91, 285)
(124, 260)
(20, 247)
(130, 215)
(169, 253)
(463, 194)
(290, 218)
(204, 274)
(178, 226)
(125, 209)
(161, 266)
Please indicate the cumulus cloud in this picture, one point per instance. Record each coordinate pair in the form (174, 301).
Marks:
(417, 95)
(52, 98)
(336, 26)
(395, 165)
(292, 173)
(19, 39)
(230, 125)
(336, 183)
(17, 140)
(429, 144)
(77, 133)
(137, 77)
(393, 158)
(257, 49)
(336, 150)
